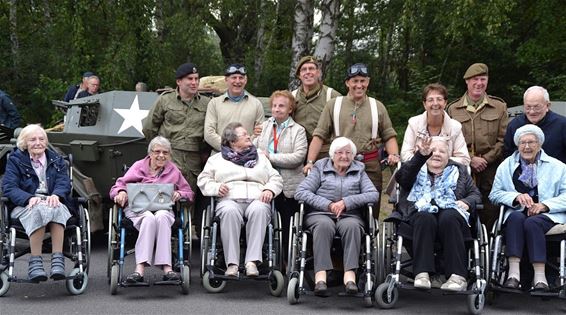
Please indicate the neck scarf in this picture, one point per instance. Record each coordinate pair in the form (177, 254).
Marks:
(236, 98)
(529, 172)
(247, 158)
(430, 199)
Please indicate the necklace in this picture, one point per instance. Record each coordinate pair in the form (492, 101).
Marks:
(354, 113)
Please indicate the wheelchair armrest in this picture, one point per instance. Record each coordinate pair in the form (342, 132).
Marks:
(82, 200)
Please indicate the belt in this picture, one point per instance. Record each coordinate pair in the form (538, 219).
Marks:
(368, 156)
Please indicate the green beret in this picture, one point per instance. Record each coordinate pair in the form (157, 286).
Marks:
(475, 69)
(304, 60)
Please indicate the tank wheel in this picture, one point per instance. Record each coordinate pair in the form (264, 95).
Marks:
(382, 298)
(476, 302)
(114, 279)
(78, 285)
(293, 291)
(276, 283)
(212, 285)
(185, 279)
(4, 283)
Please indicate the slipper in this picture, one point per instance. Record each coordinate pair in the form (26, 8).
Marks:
(135, 277)
(171, 276)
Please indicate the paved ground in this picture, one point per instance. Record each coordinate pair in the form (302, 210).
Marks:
(246, 297)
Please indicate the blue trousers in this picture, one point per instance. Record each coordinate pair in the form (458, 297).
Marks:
(521, 231)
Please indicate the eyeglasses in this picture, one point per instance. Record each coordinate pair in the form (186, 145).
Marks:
(524, 144)
(535, 108)
(234, 69)
(438, 100)
(159, 152)
(358, 69)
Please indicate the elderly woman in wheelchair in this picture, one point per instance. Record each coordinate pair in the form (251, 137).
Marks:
(532, 185)
(245, 183)
(38, 187)
(441, 195)
(336, 192)
(154, 227)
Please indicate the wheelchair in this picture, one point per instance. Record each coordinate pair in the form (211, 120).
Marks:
(76, 244)
(395, 264)
(301, 260)
(122, 232)
(213, 265)
(556, 253)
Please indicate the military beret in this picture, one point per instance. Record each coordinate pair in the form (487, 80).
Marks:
(88, 74)
(475, 69)
(304, 60)
(184, 69)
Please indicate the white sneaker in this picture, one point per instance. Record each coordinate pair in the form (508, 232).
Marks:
(422, 281)
(231, 271)
(455, 283)
(251, 269)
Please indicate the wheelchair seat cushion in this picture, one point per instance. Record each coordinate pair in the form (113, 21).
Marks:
(557, 229)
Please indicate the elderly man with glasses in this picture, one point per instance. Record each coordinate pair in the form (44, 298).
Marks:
(484, 119)
(537, 112)
(236, 105)
(360, 118)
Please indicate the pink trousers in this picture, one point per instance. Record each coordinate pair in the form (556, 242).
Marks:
(154, 231)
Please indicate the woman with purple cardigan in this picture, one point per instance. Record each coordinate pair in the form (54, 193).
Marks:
(154, 227)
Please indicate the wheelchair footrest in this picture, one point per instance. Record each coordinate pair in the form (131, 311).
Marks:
(168, 282)
(137, 284)
(344, 294)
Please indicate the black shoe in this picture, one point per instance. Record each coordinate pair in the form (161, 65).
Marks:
(171, 276)
(135, 277)
(511, 283)
(351, 287)
(320, 289)
(541, 286)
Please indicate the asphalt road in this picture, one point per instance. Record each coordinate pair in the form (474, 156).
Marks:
(245, 297)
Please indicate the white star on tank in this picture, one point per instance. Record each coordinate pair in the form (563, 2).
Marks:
(132, 117)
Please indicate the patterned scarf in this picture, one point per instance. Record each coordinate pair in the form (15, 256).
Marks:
(247, 158)
(423, 194)
(529, 172)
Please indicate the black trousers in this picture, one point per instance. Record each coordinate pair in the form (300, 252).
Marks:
(449, 228)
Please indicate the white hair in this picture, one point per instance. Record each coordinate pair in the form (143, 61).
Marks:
(26, 132)
(537, 88)
(341, 142)
(159, 140)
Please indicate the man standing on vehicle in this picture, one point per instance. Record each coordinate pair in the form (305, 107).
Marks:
(236, 105)
(178, 115)
(311, 97)
(484, 120)
(362, 119)
(9, 116)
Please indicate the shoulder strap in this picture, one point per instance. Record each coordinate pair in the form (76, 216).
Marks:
(337, 107)
(374, 117)
(295, 92)
(328, 94)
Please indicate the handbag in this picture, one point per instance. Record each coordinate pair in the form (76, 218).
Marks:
(150, 197)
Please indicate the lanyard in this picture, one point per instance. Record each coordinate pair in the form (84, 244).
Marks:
(275, 140)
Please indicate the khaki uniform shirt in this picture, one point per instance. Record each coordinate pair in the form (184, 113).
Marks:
(360, 131)
(483, 129)
(182, 122)
(308, 108)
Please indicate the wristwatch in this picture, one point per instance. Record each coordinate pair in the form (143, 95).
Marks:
(310, 162)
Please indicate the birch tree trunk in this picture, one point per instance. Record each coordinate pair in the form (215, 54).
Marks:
(260, 45)
(15, 45)
(329, 23)
(302, 34)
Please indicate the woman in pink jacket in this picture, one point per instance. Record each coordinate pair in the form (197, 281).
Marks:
(154, 227)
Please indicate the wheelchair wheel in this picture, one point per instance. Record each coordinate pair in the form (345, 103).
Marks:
(276, 283)
(78, 285)
(111, 238)
(204, 240)
(114, 273)
(293, 291)
(185, 279)
(212, 285)
(4, 283)
(291, 252)
(476, 301)
(382, 298)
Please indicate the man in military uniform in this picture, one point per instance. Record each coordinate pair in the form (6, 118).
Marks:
(536, 110)
(484, 120)
(178, 115)
(234, 105)
(9, 115)
(360, 118)
(311, 97)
